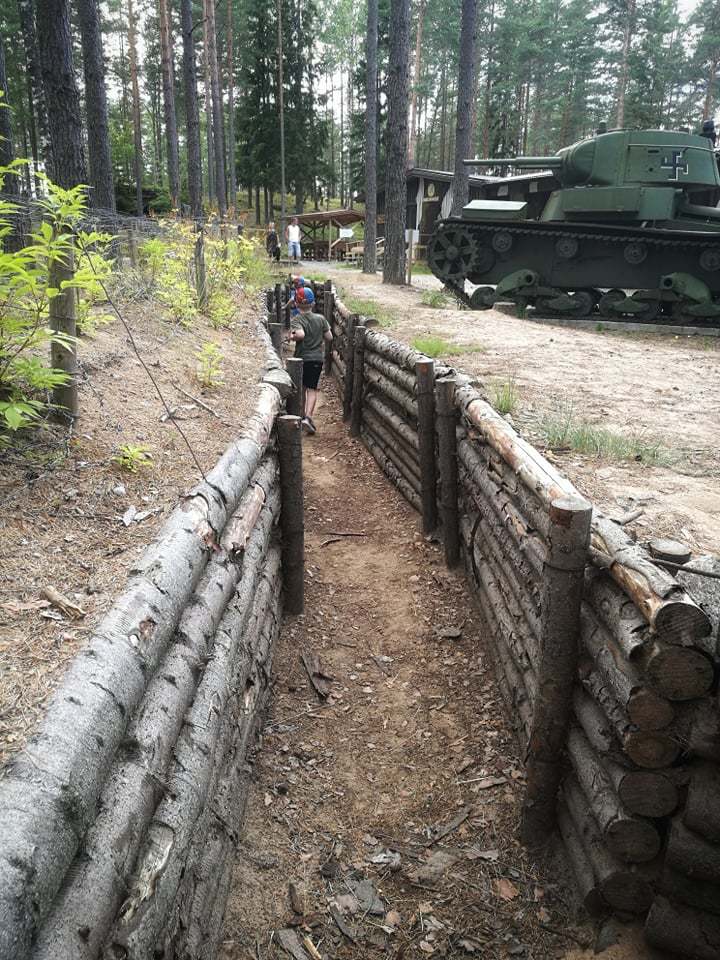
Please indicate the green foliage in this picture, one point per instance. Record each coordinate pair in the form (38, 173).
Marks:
(505, 396)
(26, 374)
(437, 347)
(436, 299)
(561, 431)
(370, 308)
(133, 457)
(209, 367)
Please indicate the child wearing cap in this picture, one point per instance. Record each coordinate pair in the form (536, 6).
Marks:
(309, 330)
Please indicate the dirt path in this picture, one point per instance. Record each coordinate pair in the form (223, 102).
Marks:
(410, 740)
(659, 389)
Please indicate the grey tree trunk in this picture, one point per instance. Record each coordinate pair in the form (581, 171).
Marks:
(137, 123)
(464, 122)
(397, 143)
(171, 134)
(192, 113)
(371, 144)
(414, 113)
(7, 146)
(101, 172)
(232, 170)
(217, 111)
(32, 61)
(61, 92)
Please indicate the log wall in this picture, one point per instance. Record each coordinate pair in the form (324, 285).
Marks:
(624, 665)
(118, 822)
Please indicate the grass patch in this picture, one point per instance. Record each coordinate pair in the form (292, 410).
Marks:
(562, 431)
(421, 269)
(505, 396)
(435, 298)
(437, 347)
(369, 308)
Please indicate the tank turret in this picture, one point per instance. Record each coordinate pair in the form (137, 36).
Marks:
(620, 237)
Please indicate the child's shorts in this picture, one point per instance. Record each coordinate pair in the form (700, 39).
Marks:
(311, 373)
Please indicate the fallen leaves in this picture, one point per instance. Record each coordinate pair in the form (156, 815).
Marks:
(506, 889)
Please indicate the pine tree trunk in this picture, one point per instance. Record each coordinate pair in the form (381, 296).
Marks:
(137, 122)
(61, 92)
(7, 146)
(171, 134)
(217, 111)
(192, 114)
(35, 87)
(208, 117)
(371, 145)
(98, 134)
(412, 145)
(232, 169)
(466, 86)
(396, 150)
(624, 63)
(443, 115)
(708, 105)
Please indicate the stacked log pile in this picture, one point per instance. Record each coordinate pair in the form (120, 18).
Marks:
(118, 822)
(638, 808)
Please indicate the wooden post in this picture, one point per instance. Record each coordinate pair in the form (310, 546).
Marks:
(269, 300)
(276, 335)
(329, 311)
(63, 319)
(292, 521)
(349, 358)
(296, 400)
(425, 374)
(286, 315)
(447, 450)
(278, 303)
(569, 537)
(200, 276)
(410, 257)
(358, 377)
(132, 247)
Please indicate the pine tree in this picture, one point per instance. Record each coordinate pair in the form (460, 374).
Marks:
(371, 139)
(138, 163)
(171, 134)
(192, 111)
(396, 147)
(466, 88)
(39, 131)
(98, 134)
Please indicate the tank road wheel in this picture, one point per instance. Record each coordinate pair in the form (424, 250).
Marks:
(607, 301)
(583, 303)
(566, 248)
(635, 253)
(452, 253)
(651, 309)
(502, 241)
(483, 298)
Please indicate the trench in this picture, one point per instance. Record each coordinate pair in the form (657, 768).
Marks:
(411, 741)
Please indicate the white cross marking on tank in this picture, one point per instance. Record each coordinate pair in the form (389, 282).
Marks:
(676, 163)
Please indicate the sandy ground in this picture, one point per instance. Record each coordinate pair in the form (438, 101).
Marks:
(64, 499)
(411, 740)
(660, 388)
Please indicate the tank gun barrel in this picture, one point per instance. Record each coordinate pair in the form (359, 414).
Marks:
(529, 163)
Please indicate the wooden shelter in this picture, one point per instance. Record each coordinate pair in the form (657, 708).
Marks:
(316, 229)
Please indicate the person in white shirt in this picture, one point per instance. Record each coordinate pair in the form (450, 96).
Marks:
(292, 235)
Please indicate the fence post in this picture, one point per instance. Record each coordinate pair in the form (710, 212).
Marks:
(358, 378)
(269, 295)
(132, 247)
(278, 302)
(569, 537)
(296, 401)
(292, 522)
(329, 308)
(349, 358)
(200, 277)
(63, 319)
(425, 374)
(276, 335)
(447, 455)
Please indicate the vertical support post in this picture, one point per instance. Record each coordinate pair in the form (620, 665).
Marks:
(349, 358)
(278, 303)
(329, 308)
(269, 295)
(447, 453)
(200, 275)
(63, 319)
(358, 380)
(292, 519)
(276, 335)
(569, 537)
(296, 401)
(425, 374)
(132, 247)
(410, 256)
(286, 315)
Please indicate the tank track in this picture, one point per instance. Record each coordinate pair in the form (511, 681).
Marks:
(667, 240)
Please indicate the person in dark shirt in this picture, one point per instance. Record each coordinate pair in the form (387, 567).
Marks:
(272, 242)
(309, 330)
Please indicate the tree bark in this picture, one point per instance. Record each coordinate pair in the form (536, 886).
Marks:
(168, 75)
(136, 108)
(217, 111)
(464, 122)
(682, 930)
(101, 171)
(702, 810)
(7, 146)
(699, 894)
(691, 854)
(192, 112)
(590, 894)
(412, 143)
(371, 144)
(232, 166)
(35, 85)
(624, 62)
(396, 144)
(61, 92)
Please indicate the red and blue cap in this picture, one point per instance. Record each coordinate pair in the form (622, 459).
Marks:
(304, 295)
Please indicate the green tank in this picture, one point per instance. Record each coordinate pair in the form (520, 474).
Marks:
(620, 239)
